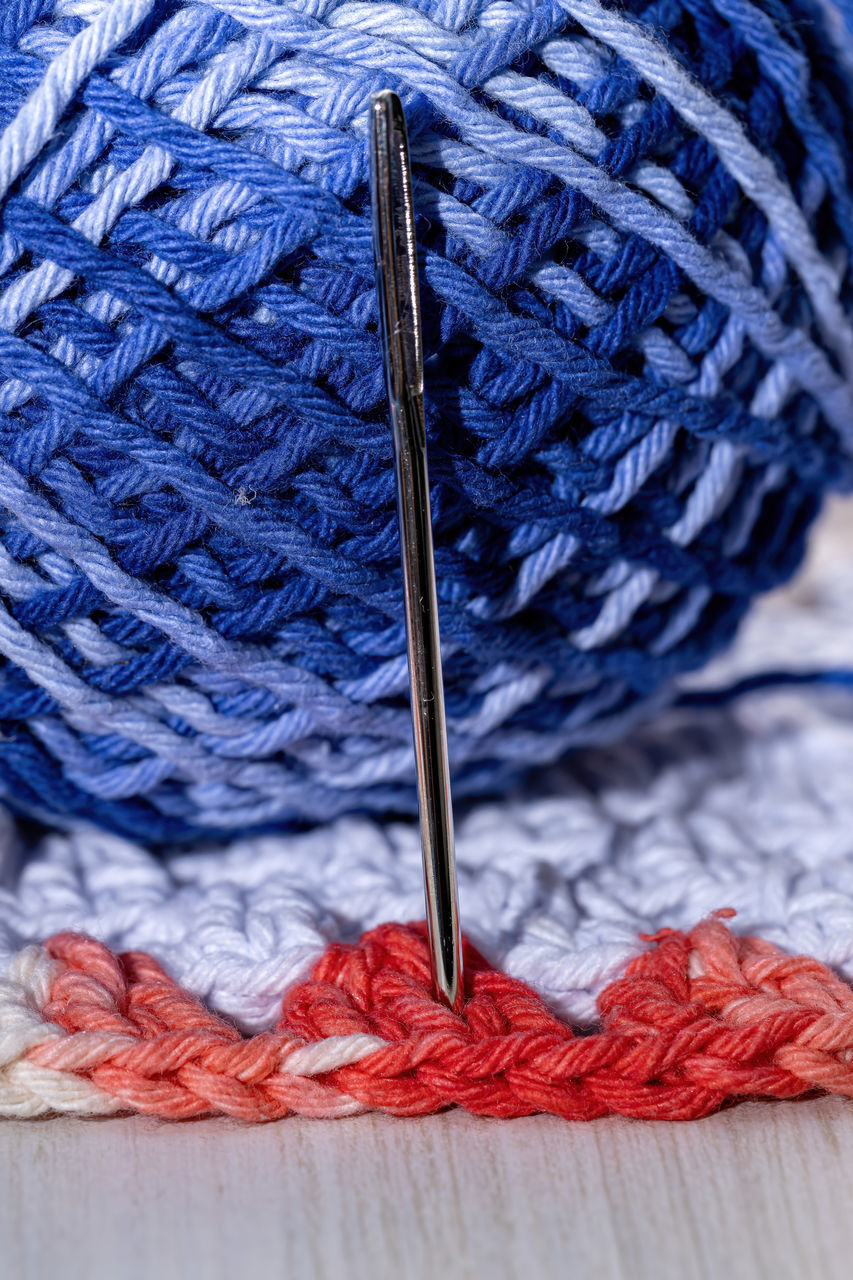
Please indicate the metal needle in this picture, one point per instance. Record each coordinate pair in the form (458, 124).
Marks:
(399, 309)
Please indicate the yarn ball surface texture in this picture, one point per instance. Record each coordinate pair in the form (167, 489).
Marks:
(635, 227)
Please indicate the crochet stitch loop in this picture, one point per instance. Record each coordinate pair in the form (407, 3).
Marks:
(699, 1020)
(635, 228)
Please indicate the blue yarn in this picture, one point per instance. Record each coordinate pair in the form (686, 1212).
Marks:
(831, 678)
(635, 224)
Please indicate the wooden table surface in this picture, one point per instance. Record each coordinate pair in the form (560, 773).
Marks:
(762, 1190)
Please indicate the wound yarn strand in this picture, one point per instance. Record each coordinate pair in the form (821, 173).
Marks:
(635, 225)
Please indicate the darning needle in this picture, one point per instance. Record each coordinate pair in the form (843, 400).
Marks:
(402, 348)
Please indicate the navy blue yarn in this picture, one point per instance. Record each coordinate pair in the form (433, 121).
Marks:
(531, 407)
(831, 678)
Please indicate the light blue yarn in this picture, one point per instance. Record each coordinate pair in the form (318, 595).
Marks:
(635, 228)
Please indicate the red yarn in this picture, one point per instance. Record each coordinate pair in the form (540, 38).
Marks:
(699, 1020)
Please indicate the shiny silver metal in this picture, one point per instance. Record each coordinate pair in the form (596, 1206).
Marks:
(400, 324)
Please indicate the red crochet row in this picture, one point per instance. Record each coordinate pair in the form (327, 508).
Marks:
(698, 1021)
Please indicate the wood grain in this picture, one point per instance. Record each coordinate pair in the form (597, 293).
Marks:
(763, 1190)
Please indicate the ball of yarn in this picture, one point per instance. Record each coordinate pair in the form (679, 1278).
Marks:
(635, 228)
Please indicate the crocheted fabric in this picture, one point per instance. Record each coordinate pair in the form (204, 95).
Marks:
(635, 229)
(700, 1020)
(749, 808)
